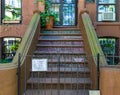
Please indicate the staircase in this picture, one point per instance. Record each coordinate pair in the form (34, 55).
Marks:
(68, 72)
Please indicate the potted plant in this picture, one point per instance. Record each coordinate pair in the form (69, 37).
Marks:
(48, 17)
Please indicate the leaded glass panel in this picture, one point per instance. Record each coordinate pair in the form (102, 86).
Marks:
(68, 14)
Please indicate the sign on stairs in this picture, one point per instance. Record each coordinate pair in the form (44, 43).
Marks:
(94, 92)
(39, 65)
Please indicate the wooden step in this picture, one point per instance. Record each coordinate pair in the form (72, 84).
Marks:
(63, 83)
(56, 92)
(58, 43)
(64, 40)
(59, 34)
(66, 69)
(58, 53)
(60, 46)
(60, 37)
(64, 74)
(62, 80)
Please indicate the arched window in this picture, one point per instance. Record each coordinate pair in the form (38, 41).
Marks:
(11, 11)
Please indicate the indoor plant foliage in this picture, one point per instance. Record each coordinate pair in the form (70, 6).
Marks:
(48, 17)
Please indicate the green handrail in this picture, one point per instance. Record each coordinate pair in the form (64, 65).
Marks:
(93, 39)
(25, 43)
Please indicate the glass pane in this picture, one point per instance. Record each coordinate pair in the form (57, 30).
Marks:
(56, 8)
(68, 1)
(55, 1)
(68, 14)
(10, 46)
(12, 10)
(108, 45)
(106, 1)
(89, 1)
(106, 8)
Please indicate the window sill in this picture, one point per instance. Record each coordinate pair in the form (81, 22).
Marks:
(11, 21)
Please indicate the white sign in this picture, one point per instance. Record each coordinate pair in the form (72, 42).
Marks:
(94, 92)
(39, 64)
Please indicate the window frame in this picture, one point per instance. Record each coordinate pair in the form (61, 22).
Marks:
(90, 1)
(9, 45)
(113, 57)
(116, 14)
(3, 15)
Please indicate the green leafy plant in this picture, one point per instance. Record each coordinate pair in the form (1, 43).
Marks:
(14, 47)
(47, 13)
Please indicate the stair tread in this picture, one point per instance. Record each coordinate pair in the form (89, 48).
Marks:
(66, 69)
(42, 45)
(55, 92)
(63, 39)
(77, 60)
(61, 31)
(62, 80)
(60, 34)
(60, 37)
(55, 52)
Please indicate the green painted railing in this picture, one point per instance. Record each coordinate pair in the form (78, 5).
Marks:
(93, 39)
(25, 43)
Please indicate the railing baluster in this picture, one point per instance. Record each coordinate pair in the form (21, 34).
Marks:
(51, 59)
(64, 57)
(98, 69)
(19, 74)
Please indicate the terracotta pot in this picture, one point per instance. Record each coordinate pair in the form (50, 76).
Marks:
(50, 23)
(41, 6)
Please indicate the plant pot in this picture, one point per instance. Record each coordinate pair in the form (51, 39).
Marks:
(50, 23)
(41, 6)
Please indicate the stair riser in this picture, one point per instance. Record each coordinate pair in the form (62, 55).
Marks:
(62, 75)
(57, 43)
(57, 92)
(60, 32)
(58, 86)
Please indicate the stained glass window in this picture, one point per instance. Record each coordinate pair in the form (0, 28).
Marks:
(68, 14)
